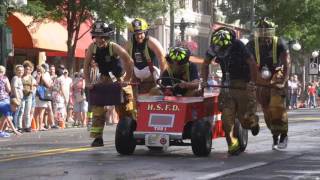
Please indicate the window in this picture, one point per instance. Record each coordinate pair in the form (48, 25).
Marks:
(182, 4)
(195, 5)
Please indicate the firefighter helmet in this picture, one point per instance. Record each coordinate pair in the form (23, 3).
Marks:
(138, 25)
(179, 55)
(101, 29)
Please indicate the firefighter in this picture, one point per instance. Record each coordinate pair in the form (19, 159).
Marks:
(108, 56)
(239, 70)
(184, 74)
(148, 55)
(273, 60)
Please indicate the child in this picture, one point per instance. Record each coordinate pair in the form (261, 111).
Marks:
(6, 119)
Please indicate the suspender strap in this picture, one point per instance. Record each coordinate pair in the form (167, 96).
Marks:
(146, 53)
(274, 49)
(110, 48)
(186, 69)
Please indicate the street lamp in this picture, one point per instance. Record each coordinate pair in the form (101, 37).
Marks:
(315, 54)
(183, 26)
(296, 46)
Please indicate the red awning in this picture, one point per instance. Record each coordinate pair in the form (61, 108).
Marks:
(82, 44)
(48, 35)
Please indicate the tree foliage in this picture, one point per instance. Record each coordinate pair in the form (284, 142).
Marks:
(296, 19)
(75, 12)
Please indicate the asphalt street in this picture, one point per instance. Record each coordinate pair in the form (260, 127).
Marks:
(66, 154)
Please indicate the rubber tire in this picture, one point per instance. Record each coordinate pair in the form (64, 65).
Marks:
(241, 134)
(124, 140)
(201, 138)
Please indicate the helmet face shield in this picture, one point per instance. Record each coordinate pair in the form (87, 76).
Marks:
(264, 32)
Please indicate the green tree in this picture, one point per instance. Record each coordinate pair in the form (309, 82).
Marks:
(296, 19)
(75, 12)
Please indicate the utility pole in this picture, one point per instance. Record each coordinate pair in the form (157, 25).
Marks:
(171, 4)
(253, 12)
(3, 53)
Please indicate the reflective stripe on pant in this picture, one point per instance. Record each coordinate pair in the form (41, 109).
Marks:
(273, 104)
(237, 103)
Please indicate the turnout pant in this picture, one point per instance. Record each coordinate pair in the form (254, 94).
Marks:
(273, 102)
(237, 103)
(124, 110)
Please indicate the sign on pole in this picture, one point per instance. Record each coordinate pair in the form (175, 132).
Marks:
(313, 66)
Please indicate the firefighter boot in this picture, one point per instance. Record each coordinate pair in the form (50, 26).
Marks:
(275, 142)
(97, 142)
(255, 130)
(234, 147)
(283, 141)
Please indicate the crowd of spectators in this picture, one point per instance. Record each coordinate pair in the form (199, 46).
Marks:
(299, 97)
(41, 98)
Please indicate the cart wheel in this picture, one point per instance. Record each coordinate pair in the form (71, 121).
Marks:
(241, 134)
(201, 138)
(125, 143)
(155, 149)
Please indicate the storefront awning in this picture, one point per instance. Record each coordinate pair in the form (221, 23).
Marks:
(47, 35)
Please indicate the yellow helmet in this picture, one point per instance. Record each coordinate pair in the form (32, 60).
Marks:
(138, 25)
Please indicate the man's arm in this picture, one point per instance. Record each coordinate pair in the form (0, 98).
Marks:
(253, 68)
(286, 61)
(158, 50)
(205, 70)
(127, 61)
(87, 61)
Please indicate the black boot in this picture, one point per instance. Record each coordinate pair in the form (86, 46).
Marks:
(283, 141)
(275, 142)
(255, 130)
(97, 142)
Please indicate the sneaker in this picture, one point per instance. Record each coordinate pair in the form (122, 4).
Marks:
(27, 130)
(234, 148)
(97, 142)
(283, 141)
(255, 130)
(275, 142)
(4, 134)
(54, 127)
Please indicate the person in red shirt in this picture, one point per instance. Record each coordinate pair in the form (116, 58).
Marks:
(312, 96)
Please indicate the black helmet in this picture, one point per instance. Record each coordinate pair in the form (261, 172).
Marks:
(222, 37)
(101, 29)
(180, 55)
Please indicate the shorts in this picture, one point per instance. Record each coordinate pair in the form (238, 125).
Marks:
(41, 104)
(5, 108)
(81, 106)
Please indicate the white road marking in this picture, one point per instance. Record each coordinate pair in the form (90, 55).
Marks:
(230, 171)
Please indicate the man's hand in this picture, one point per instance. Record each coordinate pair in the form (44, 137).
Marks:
(278, 85)
(204, 84)
(167, 92)
(183, 85)
(251, 86)
(123, 83)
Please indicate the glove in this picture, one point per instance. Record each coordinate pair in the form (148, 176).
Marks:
(251, 86)
(167, 92)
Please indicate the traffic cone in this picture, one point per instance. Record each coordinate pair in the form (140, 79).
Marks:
(33, 124)
(62, 125)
